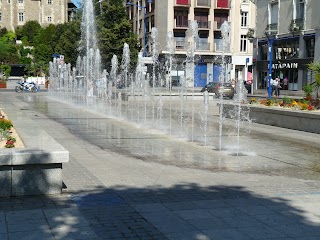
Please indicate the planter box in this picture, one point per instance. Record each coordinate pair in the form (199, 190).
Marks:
(306, 121)
(35, 169)
(3, 85)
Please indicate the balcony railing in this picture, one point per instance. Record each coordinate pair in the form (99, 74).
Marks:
(203, 45)
(180, 43)
(203, 3)
(217, 25)
(179, 24)
(219, 46)
(272, 28)
(204, 24)
(183, 2)
(296, 25)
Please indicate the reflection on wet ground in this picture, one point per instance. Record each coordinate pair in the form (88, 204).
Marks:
(266, 149)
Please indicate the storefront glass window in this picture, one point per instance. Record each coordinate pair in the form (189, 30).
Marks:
(310, 47)
(264, 51)
(287, 49)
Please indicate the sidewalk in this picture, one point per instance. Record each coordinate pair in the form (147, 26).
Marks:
(124, 183)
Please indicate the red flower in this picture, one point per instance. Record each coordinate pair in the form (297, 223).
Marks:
(310, 107)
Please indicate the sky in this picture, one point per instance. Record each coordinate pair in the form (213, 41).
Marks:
(77, 2)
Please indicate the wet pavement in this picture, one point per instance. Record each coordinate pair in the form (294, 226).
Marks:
(124, 182)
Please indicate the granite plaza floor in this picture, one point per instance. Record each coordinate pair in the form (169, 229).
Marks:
(124, 183)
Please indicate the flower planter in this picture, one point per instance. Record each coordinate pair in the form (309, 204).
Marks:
(3, 85)
(307, 121)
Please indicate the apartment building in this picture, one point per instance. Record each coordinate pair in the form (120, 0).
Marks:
(175, 16)
(292, 29)
(15, 13)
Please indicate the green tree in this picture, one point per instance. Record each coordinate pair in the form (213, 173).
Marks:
(68, 42)
(46, 36)
(6, 69)
(3, 31)
(114, 30)
(30, 30)
(8, 53)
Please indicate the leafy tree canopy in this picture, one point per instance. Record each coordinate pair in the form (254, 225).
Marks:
(6, 69)
(8, 53)
(114, 30)
(30, 29)
(9, 37)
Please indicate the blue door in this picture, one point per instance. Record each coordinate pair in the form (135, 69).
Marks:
(200, 75)
(216, 72)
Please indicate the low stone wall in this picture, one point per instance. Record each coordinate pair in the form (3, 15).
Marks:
(306, 121)
(35, 169)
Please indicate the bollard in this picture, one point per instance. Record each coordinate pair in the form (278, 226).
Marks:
(39, 89)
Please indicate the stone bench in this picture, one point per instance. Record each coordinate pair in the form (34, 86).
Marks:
(35, 169)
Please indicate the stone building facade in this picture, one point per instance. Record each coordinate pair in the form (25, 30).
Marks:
(15, 13)
(291, 29)
(175, 16)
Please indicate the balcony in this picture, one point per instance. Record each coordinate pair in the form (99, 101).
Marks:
(296, 25)
(203, 3)
(181, 24)
(185, 3)
(204, 24)
(180, 43)
(217, 25)
(223, 4)
(220, 47)
(272, 28)
(203, 45)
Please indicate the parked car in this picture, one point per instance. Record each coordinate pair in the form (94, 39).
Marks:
(215, 87)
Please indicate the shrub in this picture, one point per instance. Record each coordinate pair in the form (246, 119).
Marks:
(9, 144)
(10, 138)
(287, 100)
(5, 124)
(4, 134)
(307, 89)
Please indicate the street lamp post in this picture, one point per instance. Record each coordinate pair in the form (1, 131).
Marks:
(145, 27)
(270, 43)
(270, 40)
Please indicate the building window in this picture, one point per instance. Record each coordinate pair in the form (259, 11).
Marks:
(8, 1)
(244, 19)
(220, 18)
(49, 19)
(273, 13)
(21, 17)
(310, 45)
(0, 17)
(20, 1)
(243, 43)
(287, 49)
(152, 21)
(181, 18)
(50, 2)
(299, 9)
(202, 19)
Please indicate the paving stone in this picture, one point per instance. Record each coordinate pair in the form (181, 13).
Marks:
(187, 236)
(223, 234)
(31, 235)
(264, 232)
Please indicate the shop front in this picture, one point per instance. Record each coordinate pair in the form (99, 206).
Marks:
(292, 73)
